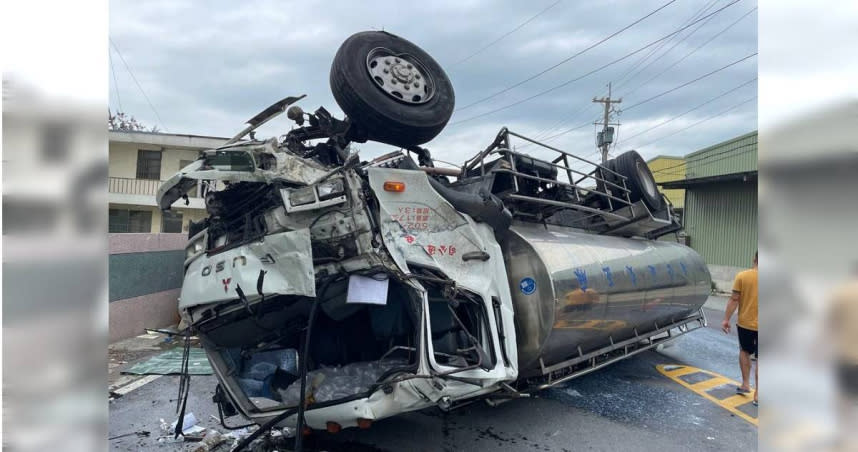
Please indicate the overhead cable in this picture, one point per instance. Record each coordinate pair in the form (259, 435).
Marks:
(600, 68)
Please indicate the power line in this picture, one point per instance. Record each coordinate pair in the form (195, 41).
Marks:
(506, 34)
(701, 25)
(556, 87)
(567, 131)
(550, 68)
(556, 124)
(690, 82)
(546, 139)
(691, 52)
(666, 52)
(655, 49)
(721, 113)
(546, 130)
(115, 83)
(138, 84)
(694, 108)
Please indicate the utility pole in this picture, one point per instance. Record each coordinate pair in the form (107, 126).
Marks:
(606, 136)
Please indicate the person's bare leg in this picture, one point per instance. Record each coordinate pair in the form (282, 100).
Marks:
(745, 366)
(757, 380)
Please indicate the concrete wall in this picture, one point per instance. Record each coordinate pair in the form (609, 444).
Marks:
(145, 277)
(723, 276)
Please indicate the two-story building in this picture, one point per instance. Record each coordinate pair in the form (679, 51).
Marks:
(139, 163)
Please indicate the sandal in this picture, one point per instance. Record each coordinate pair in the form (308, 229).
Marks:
(740, 390)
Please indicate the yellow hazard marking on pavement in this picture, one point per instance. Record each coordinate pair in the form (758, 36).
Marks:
(703, 388)
(679, 371)
(711, 383)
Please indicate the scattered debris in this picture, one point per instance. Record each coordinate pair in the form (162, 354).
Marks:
(335, 382)
(194, 436)
(140, 434)
(170, 363)
(189, 426)
(242, 432)
(212, 439)
(573, 393)
(167, 331)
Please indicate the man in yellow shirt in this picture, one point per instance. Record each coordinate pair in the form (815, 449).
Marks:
(745, 299)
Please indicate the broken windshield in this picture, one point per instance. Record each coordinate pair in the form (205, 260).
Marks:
(229, 161)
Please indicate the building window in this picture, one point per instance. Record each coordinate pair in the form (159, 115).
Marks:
(125, 220)
(148, 164)
(171, 221)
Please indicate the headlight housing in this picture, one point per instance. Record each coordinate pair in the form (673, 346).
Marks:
(327, 193)
(330, 189)
(302, 196)
(196, 247)
(220, 241)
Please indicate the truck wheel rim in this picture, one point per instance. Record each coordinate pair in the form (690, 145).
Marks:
(400, 76)
(646, 179)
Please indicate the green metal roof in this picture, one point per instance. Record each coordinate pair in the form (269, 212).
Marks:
(667, 157)
(735, 155)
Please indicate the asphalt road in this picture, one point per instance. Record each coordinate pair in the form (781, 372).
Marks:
(628, 406)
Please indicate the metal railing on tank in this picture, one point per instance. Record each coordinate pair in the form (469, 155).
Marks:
(596, 190)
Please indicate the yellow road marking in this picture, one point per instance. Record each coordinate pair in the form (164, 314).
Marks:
(711, 383)
(676, 373)
(730, 404)
(736, 400)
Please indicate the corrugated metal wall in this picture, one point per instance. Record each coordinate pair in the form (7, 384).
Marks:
(721, 220)
(733, 156)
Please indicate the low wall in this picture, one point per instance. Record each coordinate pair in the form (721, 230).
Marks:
(723, 276)
(145, 278)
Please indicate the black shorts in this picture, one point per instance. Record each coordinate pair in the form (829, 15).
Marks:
(747, 340)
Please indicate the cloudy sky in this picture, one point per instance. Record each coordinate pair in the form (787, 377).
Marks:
(207, 67)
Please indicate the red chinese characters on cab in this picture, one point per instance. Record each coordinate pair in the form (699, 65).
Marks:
(442, 250)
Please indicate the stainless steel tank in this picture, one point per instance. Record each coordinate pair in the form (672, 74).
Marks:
(574, 289)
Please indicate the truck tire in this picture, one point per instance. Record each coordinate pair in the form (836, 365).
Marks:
(639, 179)
(391, 89)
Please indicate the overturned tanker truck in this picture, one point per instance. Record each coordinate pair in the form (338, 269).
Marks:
(330, 292)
